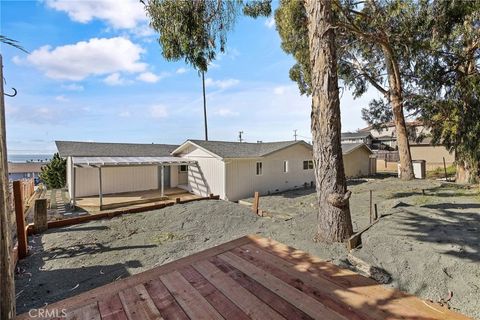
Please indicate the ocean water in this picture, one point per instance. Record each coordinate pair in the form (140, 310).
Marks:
(29, 157)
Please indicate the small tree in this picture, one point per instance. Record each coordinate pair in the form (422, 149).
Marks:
(55, 172)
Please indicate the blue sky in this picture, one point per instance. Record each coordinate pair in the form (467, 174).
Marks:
(95, 73)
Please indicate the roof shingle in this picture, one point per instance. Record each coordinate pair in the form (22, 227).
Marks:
(102, 149)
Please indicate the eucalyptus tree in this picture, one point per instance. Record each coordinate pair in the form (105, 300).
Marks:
(193, 30)
(371, 52)
(448, 81)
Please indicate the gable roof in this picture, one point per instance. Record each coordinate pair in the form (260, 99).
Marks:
(230, 149)
(349, 147)
(102, 149)
(355, 135)
(21, 167)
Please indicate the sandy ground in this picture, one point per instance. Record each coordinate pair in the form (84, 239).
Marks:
(427, 241)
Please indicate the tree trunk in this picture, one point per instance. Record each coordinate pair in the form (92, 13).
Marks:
(7, 288)
(334, 221)
(396, 101)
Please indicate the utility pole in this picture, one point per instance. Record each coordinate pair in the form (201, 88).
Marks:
(204, 106)
(295, 134)
(240, 136)
(7, 289)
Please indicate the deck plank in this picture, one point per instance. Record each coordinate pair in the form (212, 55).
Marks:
(88, 312)
(397, 302)
(191, 301)
(138, 305)
(276, 302)
(111, 308)
(299, 299)
(164, 301)
(222, 304)
(246, 301)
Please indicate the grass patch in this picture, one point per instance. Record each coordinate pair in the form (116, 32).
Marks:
(440, 172)
(163, 237)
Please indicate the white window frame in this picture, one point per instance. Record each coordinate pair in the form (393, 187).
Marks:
(259, 172)
(285, 166)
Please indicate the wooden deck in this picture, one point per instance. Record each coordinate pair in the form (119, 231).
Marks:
(248, 278)
(124, 199)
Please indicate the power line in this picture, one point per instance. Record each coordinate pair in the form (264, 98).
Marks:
(295, 134)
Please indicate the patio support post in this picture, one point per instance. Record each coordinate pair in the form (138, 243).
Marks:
(100, 195)
(74, 200)
(162, 170)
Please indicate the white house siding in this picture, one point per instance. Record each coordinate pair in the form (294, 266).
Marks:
(116, 179)
(69, 177)
(242, 180)
(357, 163)
(206, 177)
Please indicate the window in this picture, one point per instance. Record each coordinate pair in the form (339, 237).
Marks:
(307, 164)
(285, 166)
(259, 168)
(183, 168)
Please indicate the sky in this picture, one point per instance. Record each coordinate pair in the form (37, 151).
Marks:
(95, 72)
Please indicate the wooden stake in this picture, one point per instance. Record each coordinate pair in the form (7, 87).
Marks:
(40, 215)
(371, 213)
(256, 201)
(445, 169)
(376, 212)
(20, 219)
(7, 289)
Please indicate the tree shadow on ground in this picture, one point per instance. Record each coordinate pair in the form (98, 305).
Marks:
(35, 286)
(456, 233)
(445, 190)
(347, 293)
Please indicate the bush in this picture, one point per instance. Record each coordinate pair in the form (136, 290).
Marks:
(54, 174)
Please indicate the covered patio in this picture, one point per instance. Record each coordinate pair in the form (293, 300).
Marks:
(143, 192)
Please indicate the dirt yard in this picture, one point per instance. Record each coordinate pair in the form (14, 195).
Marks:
(427, 240)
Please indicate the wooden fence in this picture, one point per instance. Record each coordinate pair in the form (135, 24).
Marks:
(21, 192)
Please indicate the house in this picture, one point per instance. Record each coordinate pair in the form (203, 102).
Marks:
(24, 170)
(235, 170)
(387, 134)
(232, 170)
(357, 137)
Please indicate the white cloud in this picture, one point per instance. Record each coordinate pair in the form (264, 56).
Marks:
(270, 22)
(181, 70)
(93, 57)
(114, 79)
(124, 14)
(151, 77)
(221, 84)
(72, 87)
(18, 61)
(62, 98)
(224, 112)
(158, 111)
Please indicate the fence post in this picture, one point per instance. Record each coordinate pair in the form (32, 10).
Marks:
(20, 219)
(40, 216)
(256, 201)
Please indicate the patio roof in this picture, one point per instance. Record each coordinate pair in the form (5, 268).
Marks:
(97, 162)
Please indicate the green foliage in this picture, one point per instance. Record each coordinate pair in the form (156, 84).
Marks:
(54, 174)
(448, 84)
(258, 8)
(192, 30)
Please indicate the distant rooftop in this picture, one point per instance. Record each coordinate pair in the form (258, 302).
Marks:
(22, 167)
(348, 147)
(226, 149)
(355, 135)
(103, 149)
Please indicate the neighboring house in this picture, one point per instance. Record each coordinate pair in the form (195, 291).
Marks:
(232, 170)
(432, 154)
(357, 137)
(24, 170)
(387, 135)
